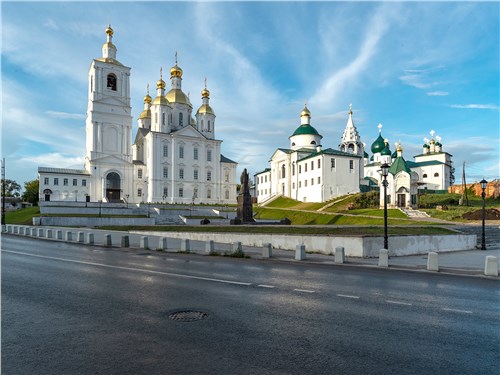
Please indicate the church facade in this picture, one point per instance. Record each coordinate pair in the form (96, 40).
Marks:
(174, 156)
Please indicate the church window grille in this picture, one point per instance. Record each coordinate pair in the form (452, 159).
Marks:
(46, 181)
(227, 194)
(56, 181)
(195, 153)
(75, 182)
(165, 192)
(139, 192)
(165, 151)
(209, 155)
(181, 192)
(139, 173)
(181, 173)
(436, 174)
(180, 119)
(319, 163)
(283, 171)
(111, 82)
(84, 182)
(181, 152)
(209, 194)
(165, 172)
(195, 174)
(65, 182)
(209, 176)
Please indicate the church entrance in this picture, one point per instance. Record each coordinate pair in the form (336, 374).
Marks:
(401, 200)
(113, 187)
(47, 193)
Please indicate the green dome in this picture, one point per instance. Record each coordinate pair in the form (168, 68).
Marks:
(366, 155)
(394, 154)
(425, 145)
(305, 129)
(385, 151)
(378, 145)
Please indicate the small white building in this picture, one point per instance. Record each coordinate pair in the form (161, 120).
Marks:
(173, 158)
(308, 172)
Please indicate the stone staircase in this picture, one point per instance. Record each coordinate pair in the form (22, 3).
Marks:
(413, 214)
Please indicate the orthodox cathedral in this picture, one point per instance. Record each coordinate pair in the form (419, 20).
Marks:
(310, 173)
(173, 158)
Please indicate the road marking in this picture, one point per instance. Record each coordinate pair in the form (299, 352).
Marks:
(347, 296)
(457, 310)
(131, 269)
(265, 286)
(303, 291)
(398, 302)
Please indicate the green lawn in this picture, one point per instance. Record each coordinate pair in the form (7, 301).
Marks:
(23, 216)
(377, 212)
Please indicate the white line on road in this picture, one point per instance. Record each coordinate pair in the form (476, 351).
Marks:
(130, 268)
(457, 310)
(303, 291)
(347, 296)
(398, 302)
(265, 286)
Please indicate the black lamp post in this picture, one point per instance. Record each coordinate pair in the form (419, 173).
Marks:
(483, 183)
(385, 171)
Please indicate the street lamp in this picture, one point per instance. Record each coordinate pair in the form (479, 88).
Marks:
(385, 171)
(483, 183)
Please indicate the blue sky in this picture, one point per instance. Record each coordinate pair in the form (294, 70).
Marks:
(413, 66)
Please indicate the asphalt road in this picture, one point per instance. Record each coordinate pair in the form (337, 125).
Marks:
(73, 309)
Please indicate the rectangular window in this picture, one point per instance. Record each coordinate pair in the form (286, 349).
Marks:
(305, 167)
(300, 184)
(226, 177)
(195, 154)
(293, 185)
(351, 164)
(165, 151)
(266, 177)
(293, 169)
(209, 194)
(300, 168)
(209, 155)
(46, 181)
(195, 174)
(209, 176)
(305, 183)
(163, 118)
(312, 181)
(319, 163)
(165, 192)
(139, 173)
(181, 152)
(75, 182)
(56, 181)
(333, 163)
(139, 192)
(319, 180)
(84, 182)
(312, 165)
(65, 182)
(165, 172)
(181, 192)
(181, 174)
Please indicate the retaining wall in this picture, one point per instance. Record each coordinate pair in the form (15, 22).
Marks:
(93, 221)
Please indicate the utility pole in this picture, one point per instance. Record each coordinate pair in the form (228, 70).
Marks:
(464, 188)
(3, 194)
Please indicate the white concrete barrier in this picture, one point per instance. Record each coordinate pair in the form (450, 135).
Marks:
(145, 242)
(300, 252)
(162, 243)
(9, 229)
(432, 261)
(33, 232)
(59, 234)
(491, 266)
(185, 245)
(90, 238)
(339, 254)
(49, 233)
(108, 242)
(69, 236)
(125, 241)
(80, 237)
(41, 232)
(267, 250)
(21, 230)
(383, 258)
(210, 247)
(237, 247)
(16, 229)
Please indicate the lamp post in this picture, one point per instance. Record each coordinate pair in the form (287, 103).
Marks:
(100, 204)
(385, 171)
(483, 183)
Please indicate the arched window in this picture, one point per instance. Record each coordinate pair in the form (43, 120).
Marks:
(293, 144)
(436, 174)
(227, 194)
(350, 148)
(111, 83)
(283, 171)
(313, 142)
(424, 175)
(208, 128)
(180, 119)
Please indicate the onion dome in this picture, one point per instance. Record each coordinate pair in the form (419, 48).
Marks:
(147, 99)
(175, 71)
(425, 145)
(305, 112)
(160, 84)
(177, 96)
(205, 109)
(109, 30)
(145, 114)
(205, 93)
(378, 145)
(385, 151)
(399, 148)
(432, 141)
(438, 144)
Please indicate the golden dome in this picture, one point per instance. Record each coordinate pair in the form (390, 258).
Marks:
(399, 148)
(147, 99)
(145, 114)
(109, 30)
(305, 112)
(205, 109)
(177, 96)
(175, 71)
(160, 84)
(160, 100)
(432, 141)
(205, 93)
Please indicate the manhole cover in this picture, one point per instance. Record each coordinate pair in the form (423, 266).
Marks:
(188, 316)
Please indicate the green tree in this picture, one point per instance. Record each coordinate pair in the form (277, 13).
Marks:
(12, 188)
(31, 191)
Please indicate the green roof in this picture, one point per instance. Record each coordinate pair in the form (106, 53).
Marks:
(366, 155)
(399, 165)
(386, 151)
(330, 151)
(305, 129)
(378, 145)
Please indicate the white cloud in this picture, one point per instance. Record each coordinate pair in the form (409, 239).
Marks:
(55, 159)
(475, 106)
(438, 93)
(421, 78)
(66, 116)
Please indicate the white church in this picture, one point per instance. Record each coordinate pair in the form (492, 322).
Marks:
(310, 173)
(173, 158)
